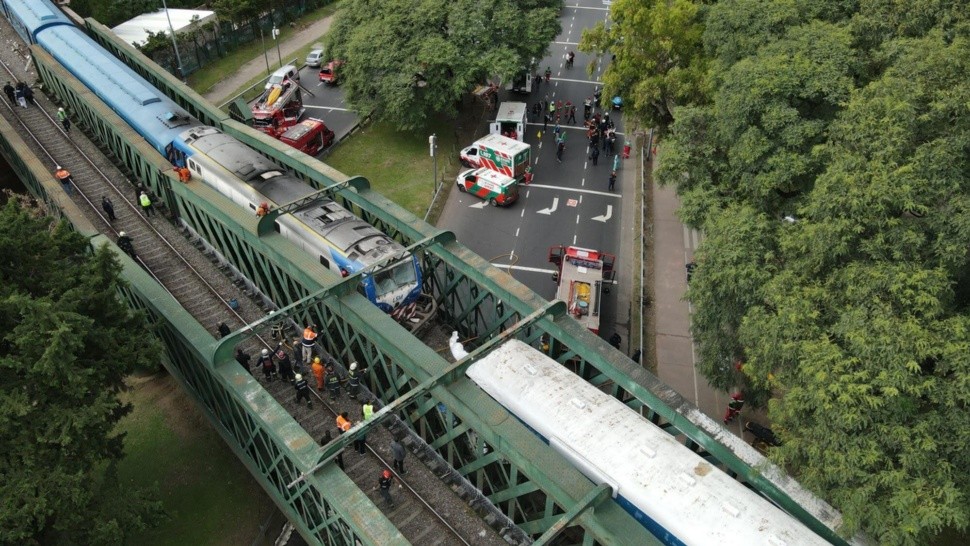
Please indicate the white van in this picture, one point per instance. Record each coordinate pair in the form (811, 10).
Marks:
(287, 72)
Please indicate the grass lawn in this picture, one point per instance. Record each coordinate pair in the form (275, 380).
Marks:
(398, 164)
(208, 494)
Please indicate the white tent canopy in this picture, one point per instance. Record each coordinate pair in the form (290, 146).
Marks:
(135, 31)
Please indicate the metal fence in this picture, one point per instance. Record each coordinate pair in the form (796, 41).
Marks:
(210, 42)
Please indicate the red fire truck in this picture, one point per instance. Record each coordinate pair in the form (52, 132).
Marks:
(582, 275)
(278, 108)
(310, 136)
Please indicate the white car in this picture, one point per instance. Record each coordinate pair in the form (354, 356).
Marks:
(314, 58)
(469, 157)
(288, 72)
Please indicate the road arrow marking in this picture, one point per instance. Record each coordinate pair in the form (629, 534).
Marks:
(605, 217)
(480, 205)
(555, 205)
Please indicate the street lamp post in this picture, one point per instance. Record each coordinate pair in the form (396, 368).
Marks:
(433, 142)
(171, 32)
(276, 34)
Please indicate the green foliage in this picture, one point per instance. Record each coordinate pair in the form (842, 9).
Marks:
(406, 60)
(68, 341)
(849, 119)
(659, 61)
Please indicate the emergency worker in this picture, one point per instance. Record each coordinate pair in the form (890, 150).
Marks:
(384, 483)
(317, 368)
(265, 362)
(353, 380)
(124, 243)
(302, 390)
(64, 177)
(146, 204)
(333, 383)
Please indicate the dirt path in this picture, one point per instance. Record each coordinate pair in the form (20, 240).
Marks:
(308, 35)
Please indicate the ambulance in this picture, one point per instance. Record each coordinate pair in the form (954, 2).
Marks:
(502, 154)
(492, 186)
(510, 120)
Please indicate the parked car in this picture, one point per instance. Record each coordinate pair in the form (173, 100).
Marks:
(288, 72)
(330, 72)
(315, 57)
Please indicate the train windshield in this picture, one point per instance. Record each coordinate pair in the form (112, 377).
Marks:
(401, 275)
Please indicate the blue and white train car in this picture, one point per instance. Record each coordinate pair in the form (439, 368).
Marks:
(342, 242)
(29, 17)
(677, 495)
(156, 117)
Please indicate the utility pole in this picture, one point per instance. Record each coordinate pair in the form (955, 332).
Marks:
(171, 32)
(433, 143)
(276, 34)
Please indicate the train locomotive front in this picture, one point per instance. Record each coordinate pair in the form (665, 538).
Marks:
(341, 241)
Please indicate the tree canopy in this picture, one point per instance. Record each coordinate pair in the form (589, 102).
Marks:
(67, 343)
(408, 60)
(825, 153)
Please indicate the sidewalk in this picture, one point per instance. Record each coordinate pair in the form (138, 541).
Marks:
(309, 35)
(674, 245)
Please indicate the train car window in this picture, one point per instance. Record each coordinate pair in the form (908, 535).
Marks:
(360, 288)
(324, 262)
(276, 227)
(194, 167)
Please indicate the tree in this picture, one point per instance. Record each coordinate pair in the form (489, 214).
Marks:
(853, 316)
(407, 61)
(659, 59)
(67, 343)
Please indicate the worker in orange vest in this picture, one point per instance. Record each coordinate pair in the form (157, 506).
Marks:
(343, 423)
(64, 176)
(318, 370)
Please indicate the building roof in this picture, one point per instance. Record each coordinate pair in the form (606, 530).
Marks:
(135, 31)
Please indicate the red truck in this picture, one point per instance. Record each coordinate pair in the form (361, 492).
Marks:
(310, 136)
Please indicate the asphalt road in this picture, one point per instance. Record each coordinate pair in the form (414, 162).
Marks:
(568, 202)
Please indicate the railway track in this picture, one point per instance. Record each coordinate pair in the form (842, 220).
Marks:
(425, 509)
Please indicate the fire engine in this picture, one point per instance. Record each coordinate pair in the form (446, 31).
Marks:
(581, 276)
(279, 107)
(309, 136)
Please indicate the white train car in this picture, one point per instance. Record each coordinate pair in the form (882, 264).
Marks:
(669, 489)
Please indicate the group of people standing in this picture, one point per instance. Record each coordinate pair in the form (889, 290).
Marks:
(21, 94)
(279, 364)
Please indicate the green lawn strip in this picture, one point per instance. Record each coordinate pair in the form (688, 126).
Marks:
(398, 164)
(205, 78)
(207, 493)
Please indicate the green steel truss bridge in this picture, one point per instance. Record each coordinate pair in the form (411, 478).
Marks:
(531, 484)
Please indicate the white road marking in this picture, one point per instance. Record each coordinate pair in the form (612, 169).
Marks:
(523, 268)
(481, 205)
(574, 239)
(567, 43)
(523, 210)
(577, 219)
(548, 211)
(578, 190)
(557, 80)
(517, 231)
(603, 218)
(327, 108)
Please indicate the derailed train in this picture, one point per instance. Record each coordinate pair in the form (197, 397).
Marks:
(672, 491)
(344, 243)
